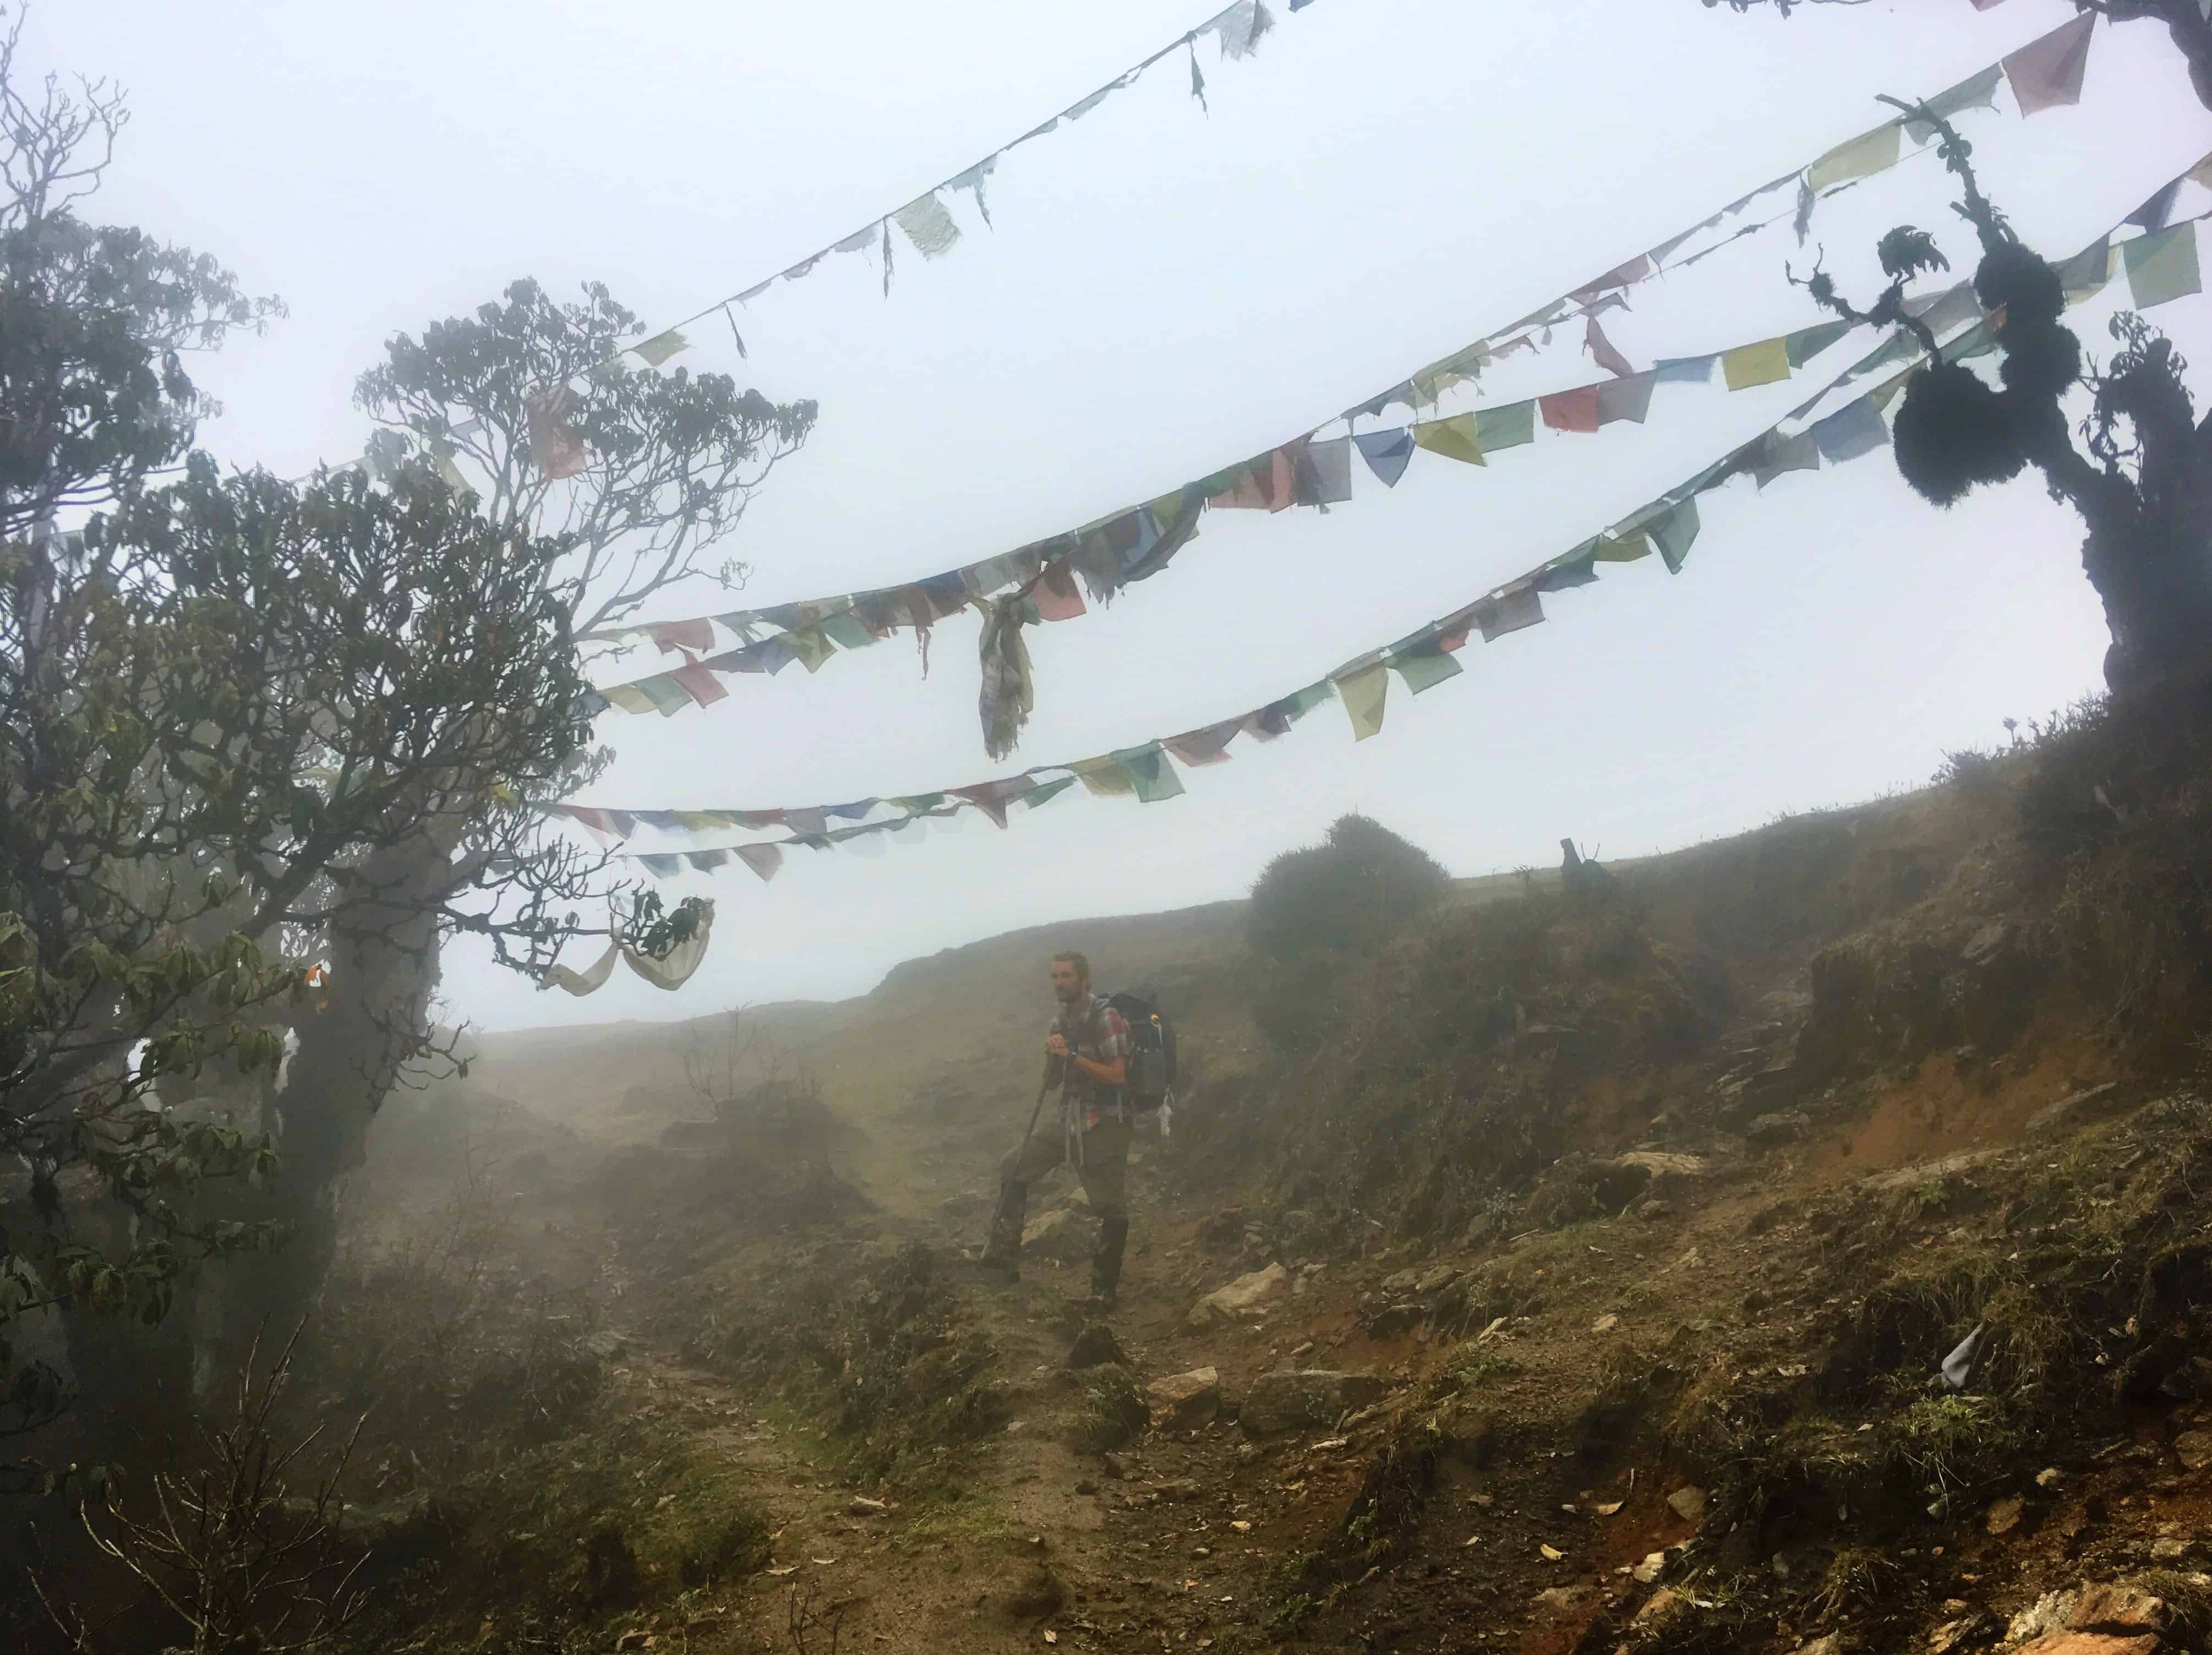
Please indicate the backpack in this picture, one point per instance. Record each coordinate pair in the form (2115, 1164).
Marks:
(1152, 1070)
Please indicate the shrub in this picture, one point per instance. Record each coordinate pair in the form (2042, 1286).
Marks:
(1361, 885)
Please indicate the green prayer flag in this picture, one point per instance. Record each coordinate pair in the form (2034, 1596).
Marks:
(1807, 342)
(2162, 267)
(1425, 667)
(1453, 438)
(844, 630)
(1756, 364)
(1154, 777)
(915, 803)
(810, 645)
(1506, 428)
(1365, 692)
(1038, 797)
(700, 821)
(628, 698)
(1296, 705)
(664, 693)
(1674, 534)
(661, 346)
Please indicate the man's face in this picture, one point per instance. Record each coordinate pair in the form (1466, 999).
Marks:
(1066, 985)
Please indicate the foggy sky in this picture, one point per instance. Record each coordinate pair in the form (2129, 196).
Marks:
(1165, 291)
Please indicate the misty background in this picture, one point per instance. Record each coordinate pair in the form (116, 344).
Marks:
(1166, 291)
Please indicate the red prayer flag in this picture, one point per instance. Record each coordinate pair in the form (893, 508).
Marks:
(1056, 594)
(1603, 349)
(1571, 411)
(700, 685)
(695, 636)
(2048, 72)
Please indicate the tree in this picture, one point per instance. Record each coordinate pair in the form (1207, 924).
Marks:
(2187, 23)
(264, 747)
(2143, 486)
(1360, 886)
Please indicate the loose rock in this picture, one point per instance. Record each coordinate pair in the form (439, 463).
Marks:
(1184, 1402)
(2003, 1517)
(1688, 1503)
(1241, 1300)
(2195, 1448)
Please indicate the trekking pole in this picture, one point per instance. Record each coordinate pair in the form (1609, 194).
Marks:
(1044, 1089)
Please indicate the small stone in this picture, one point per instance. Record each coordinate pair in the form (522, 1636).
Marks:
(1182, 1488)
(1096, 1347)
(1184, 1402)
(2195, 1448)
(1560, 1601)
(2168, 1549)
(2049, 1477)
(1688, 1503)
(1605, 1324)
(1649, 1569)
(1111, 1467)
(2003, 1515)
(1086, 1486)
(1247, 1452)
(861, 1506)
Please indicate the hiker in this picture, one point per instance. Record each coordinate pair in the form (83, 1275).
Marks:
(1087, 1056)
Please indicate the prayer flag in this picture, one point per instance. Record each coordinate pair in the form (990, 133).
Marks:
(812, 820)
(1509, 612)
(1506, 428)
(628, 698)
(1675, 533)
(763, 859)
(1324, 472)
(1104, 778)
(1684, 370)
(701, 821)
(695, 636)
(1207, 746)
(809, 646)
(1602, 350)
(1364, 693)
(1855, 429)
(1780, 453)
(1629, 399)
(1622, 548)
(663, 867)
(624, 823)
(1054, 594)
(844, 629)
(705, 861)
(1386, 453)
(1756, 364)
(1869, 153)
(1453, 438)
(928, 226)
(2048, 72)
(1045, 795)
(972, 181)
(1149, 771)
(2083, 276)
(2162, 267)
(702, 685)
(554, 447)
(1807, 342)
(1574, 570)
(1977, 91)
(1571, 411)
(661, 346)
(1424, 665)
(2153, 215)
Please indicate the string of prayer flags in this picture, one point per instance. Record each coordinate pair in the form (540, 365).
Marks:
(1669, 525)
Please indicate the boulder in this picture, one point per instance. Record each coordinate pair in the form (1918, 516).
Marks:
(1183, 1401)
(1095, 1347)
(1241, 1300)
(2195, 1449)
(2116, 1607)
(1315, 1398)
(2089, 1643)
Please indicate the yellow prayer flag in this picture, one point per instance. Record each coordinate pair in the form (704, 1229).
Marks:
(1626, 550)
(1871, 152)
(1364, 693)
(1105, 778)
(1453, 438)
(628, 698)
(1756, 364)
(661, 346)
(701, 821)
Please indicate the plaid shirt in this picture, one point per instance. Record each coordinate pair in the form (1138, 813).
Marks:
(1102, 1034)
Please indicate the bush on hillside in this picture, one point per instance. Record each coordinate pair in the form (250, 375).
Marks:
(1362, 884)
